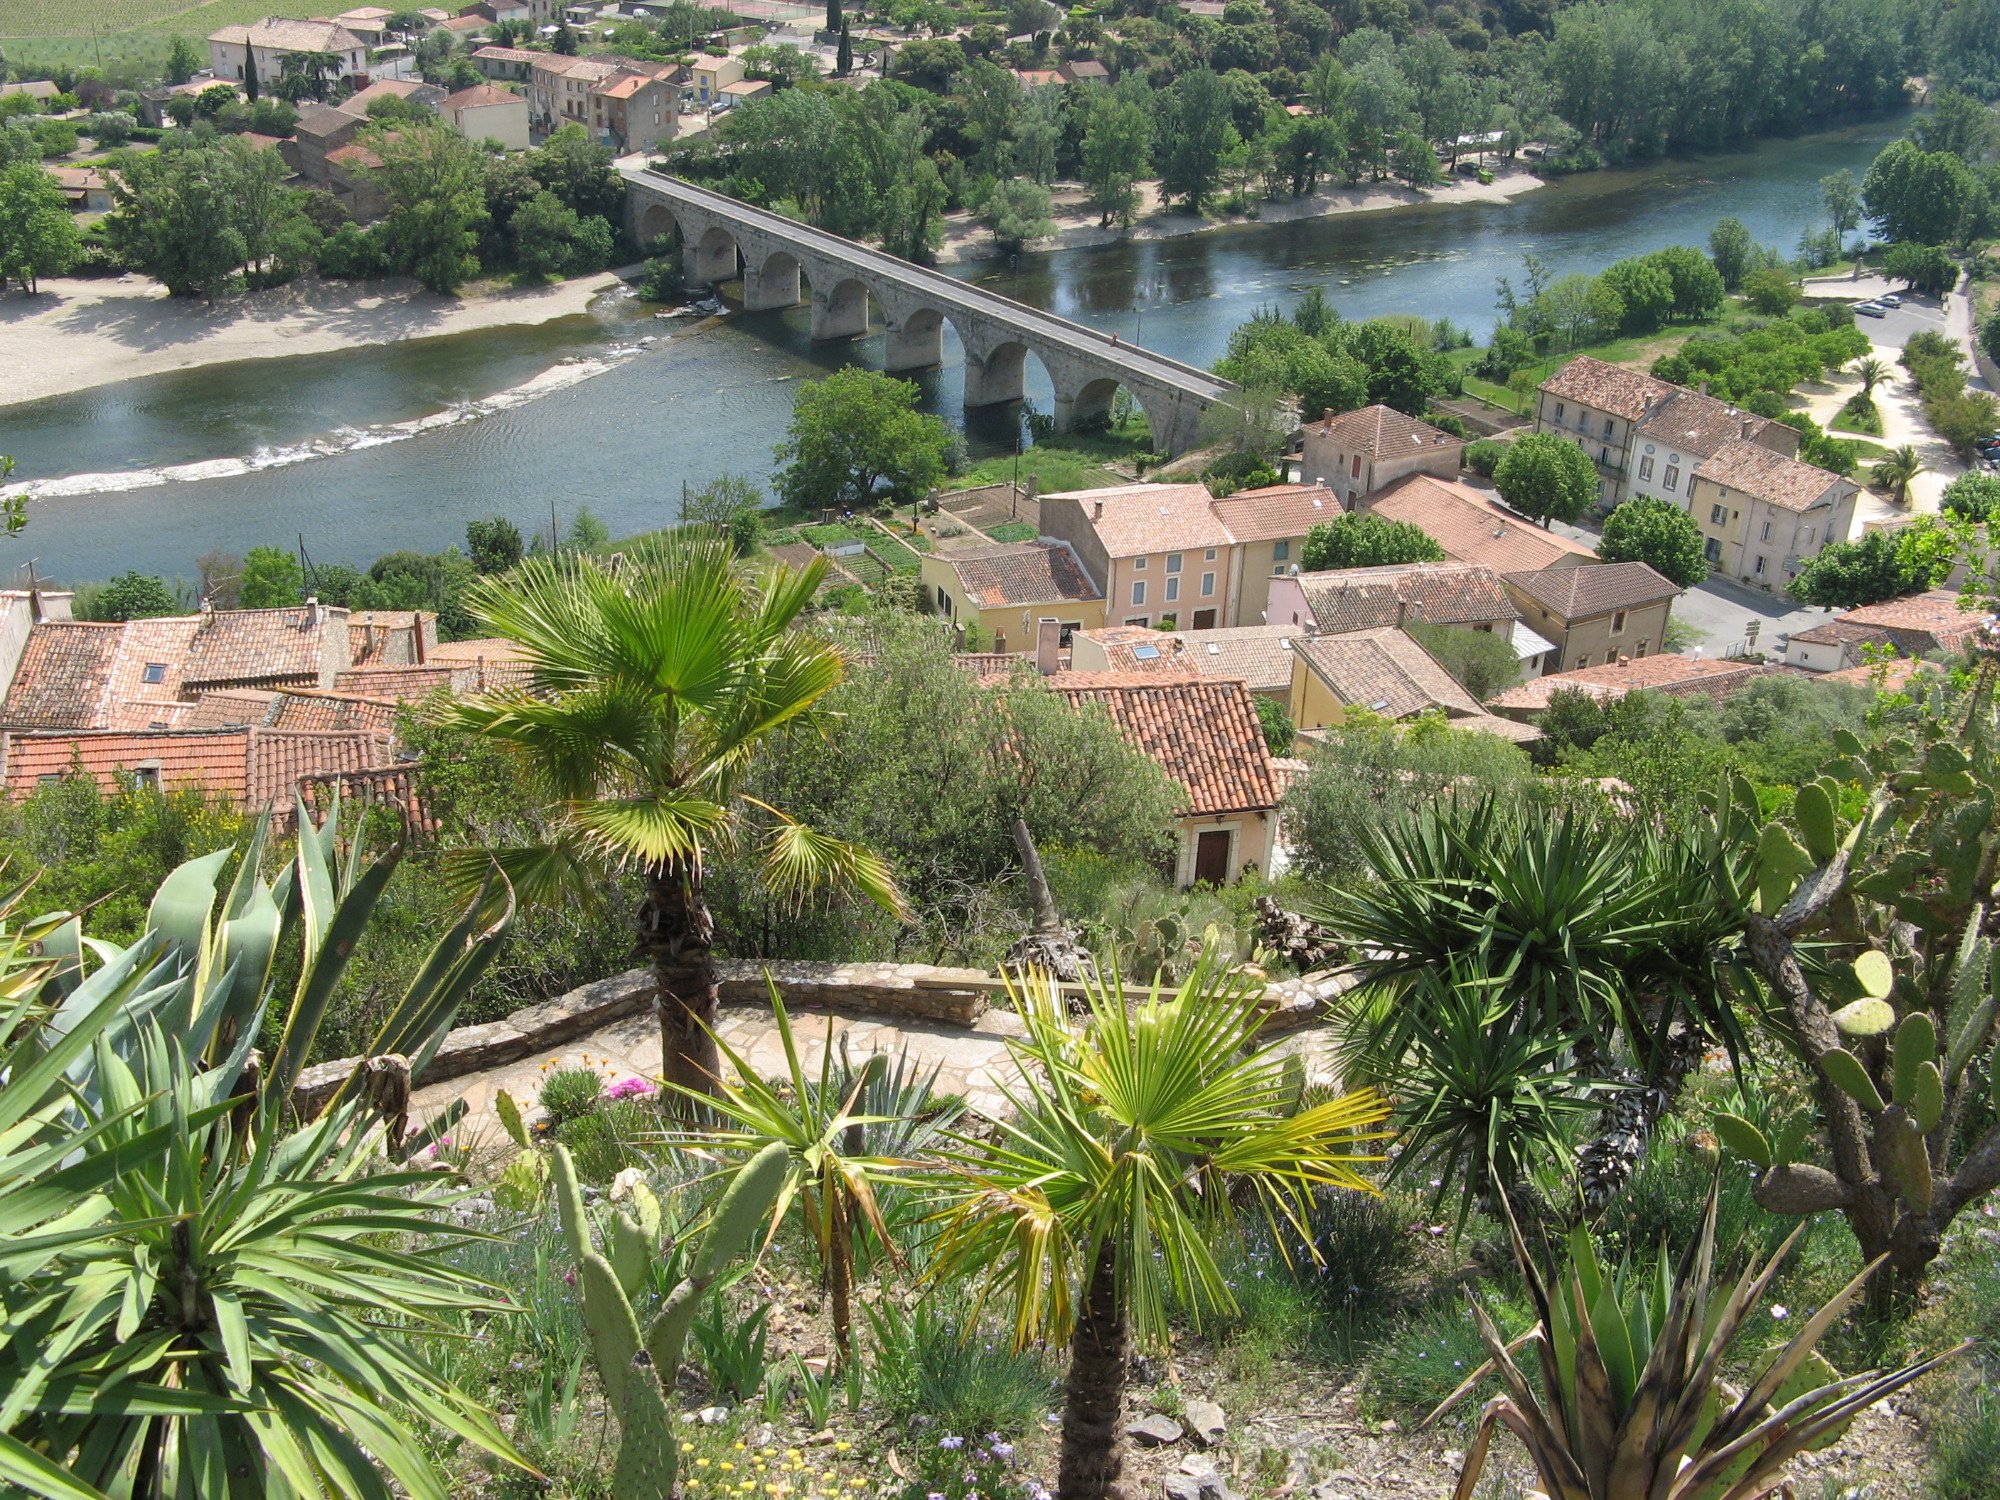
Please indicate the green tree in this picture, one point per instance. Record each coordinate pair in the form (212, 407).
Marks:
(1280, 733)
(991, 97)
(183, 60)
(1882, 565)
(664, 682)
(435, 184)
(1873, 371)
(1017, 211)
(1697, 285)
(1399, 373)
(545, 235)
(1922, 268)
(272, 579)
(1193, 133)
(1912, 194)
(175, 219)
(1645, 291)
(730, 505)
(494, 544)
(1770, 291)
(1730, 247)
(1359, 540)
(1957, 124)
(578, 171)
(278, 238)
(134, 596)
(1973, 496)
(1842, 196)
(1481, 662)
(1898, 472)
(587, 533)
(1659, 534)
(856, 433)
(1038, 134)
(836, 22)
(1413, 162)
(1547, 478)
(38, 234)
(843, 63)
(304, 76)
(1104, 1206)
(252, 85)
(1116, 153)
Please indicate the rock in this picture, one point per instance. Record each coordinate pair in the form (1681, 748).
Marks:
(1453, 1458)
(1207, 1422)
(1198, 1464)
(1154, 1431)
(1207, 1486)
(710, 1415)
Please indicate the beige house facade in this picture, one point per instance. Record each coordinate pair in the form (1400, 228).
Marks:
(1358, 452)
(486, 113)
(1158, 552)
(1597, 614)
(272, 40)
(1004, 591)
(1763, 515)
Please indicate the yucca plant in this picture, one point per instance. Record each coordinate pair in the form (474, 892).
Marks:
(831, 1171)
(1107, 1193)
(1631, 1404)
(237, 1320)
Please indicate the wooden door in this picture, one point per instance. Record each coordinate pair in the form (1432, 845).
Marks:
(1211, 857)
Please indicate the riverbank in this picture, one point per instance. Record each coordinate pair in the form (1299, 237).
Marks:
(77, 334)
(967, 241)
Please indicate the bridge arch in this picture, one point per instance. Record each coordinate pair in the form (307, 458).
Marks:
(713, 257)
(655, 222)
(773, 282)
(840, 308)
(1093, 405)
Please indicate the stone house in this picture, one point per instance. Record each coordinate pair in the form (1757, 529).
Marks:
(711, 75)
(486, 113)
(320, 131)
(273, 39)
(622, 102)
(1667, 674)
(1359, 452)
(1472, 526)
(1685, 428)
(1595, 614)
(1763, 515)
(1157, 552)
(87, 189)
(1006, 589)
(505, 64)
(1921, 625)
(1258, 656)
(1269, 526)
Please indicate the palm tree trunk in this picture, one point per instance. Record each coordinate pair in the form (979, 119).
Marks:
(1093, 1457)
(676, 933)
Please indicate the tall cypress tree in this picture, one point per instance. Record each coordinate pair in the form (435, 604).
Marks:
(844, 61)
(250, 72)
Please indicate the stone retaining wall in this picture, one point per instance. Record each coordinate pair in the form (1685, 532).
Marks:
(915, 992)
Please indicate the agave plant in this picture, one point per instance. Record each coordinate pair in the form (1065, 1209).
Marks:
(217, 1327)
(1631, 1404)
(833, 1165)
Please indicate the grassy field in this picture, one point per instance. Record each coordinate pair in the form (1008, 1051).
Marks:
(122, 35)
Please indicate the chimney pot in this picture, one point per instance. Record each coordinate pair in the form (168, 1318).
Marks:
(1097, 510)
(1000, 642)
(1048, 645)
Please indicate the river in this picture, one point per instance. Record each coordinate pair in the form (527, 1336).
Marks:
(625, 424)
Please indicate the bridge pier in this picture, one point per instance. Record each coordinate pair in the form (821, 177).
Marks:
(997, 376)
(915, 342)
(775, 284)
(841, 313)
(711, 260)
(1076, 408)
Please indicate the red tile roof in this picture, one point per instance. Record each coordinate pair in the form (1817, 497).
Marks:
(230, 708)
(1276, 511)
(1922, 623)
(1473, 527)
(1020, 573)
(1613, 680)
(297, 710)
(403, 684)
(1764, 475)
(1385, 672)
(251, 767)
(1690, 422)
(1383, 432)
(1599, 589)
(1203, 732)
(1141, 519)
(1446, 593)
(1609, 388)
(79, 675)
(240, 647)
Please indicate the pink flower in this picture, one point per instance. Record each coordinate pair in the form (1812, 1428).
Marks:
(631, 1088)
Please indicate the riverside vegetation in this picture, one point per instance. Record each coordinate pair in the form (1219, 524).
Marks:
(1624, 1046)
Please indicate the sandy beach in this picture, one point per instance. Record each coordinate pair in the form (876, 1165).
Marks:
(76, 334)
(1076, 223)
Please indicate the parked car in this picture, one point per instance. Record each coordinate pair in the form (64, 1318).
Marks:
(1987, 444)
(1871, 309)
(1890, 300)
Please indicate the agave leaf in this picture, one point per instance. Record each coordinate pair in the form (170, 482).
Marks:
(1743, 1416)
(1690, 1410)
(1603, 1365)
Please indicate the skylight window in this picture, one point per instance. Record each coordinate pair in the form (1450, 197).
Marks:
(1145, 653)
(156, 671)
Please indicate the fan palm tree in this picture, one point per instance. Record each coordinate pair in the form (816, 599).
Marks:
(1873, 372)
(1114, 1182)
(658, 678)
(1898, 472)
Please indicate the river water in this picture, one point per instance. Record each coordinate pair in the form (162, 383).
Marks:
(399, 446)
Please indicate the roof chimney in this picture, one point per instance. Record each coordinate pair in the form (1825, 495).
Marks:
(1048, 645)
(417, 630)
(1000, 642)
(1703, 387)
(1097, 510)
(1402, 612)
(1748, 426)
(313, 612)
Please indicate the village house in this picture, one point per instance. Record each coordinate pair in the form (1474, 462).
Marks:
(1085, 70)
(1258, 656)
(1763, 515)
(1385, 672)
(1595, 614)
(1667, 674)
(87, 189)
(1269, 527)
(1005, 589)
(1157, 552)
(273, 39)
(486, 113)
(621, 102)
(1204, 733)
(1359, 452)
(505, 64)
(413, 91)
(1471, 526)
(1467, 595)
(321, 130)
(711, 75)
(1685, 428)
(1921, 625)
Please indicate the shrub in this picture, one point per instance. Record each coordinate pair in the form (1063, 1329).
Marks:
(570, 1093)
(605, 1141)
(1429, 1356)
(936, 1363)
(1484, 456)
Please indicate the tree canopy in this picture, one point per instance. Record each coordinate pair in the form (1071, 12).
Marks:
(1357, 540)
(1546, 477)
(856, 437)
(1659, 534)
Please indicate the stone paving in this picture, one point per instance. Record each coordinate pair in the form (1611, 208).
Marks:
(972, 1061)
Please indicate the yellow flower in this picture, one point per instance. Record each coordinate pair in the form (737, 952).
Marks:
(726, 1466)
(791, 1453)
(768, 1452)
(740, 1447)
(858, 1483)
(842, 1446)
(687, 1447)
(702, 1463)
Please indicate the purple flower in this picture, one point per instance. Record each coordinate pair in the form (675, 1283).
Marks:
(1004, 1452)
(632, 1088)
(951, 1440)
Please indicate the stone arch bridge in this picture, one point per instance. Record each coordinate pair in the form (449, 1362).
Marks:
(783, 262)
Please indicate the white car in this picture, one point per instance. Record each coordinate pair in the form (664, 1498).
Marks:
(1871, 310)
(1891, 300)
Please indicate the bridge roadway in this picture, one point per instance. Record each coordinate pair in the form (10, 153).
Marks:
(723, 238)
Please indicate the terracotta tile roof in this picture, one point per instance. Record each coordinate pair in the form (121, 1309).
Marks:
(271, 646)
(1140, 519)
(486, 648)
(1840, 632)
(1921, 623)
(392, 786)
(1895, 674)
(251, 767)
(478, 96)
(1385, 672)
(64, 670)
(1596, 589)
(1138, 648)
(373, 632)
(403, 684)
(1285, 771)
(320, 122)
(1021, 573)
(624, 88)
(230, 708)
(290, 36)
(1471, 526)
(1276, 511)
(1764, 475)
(1690, 422)
(1610, 388)
(1382, 431)
(509, 54)
(1203, 732)
(330, 711)
(1446, 593)
(1259, 656)
(488, 663)
(356, 155)
(1613, 680)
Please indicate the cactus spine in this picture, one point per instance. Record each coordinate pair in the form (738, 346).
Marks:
(637, 1367)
